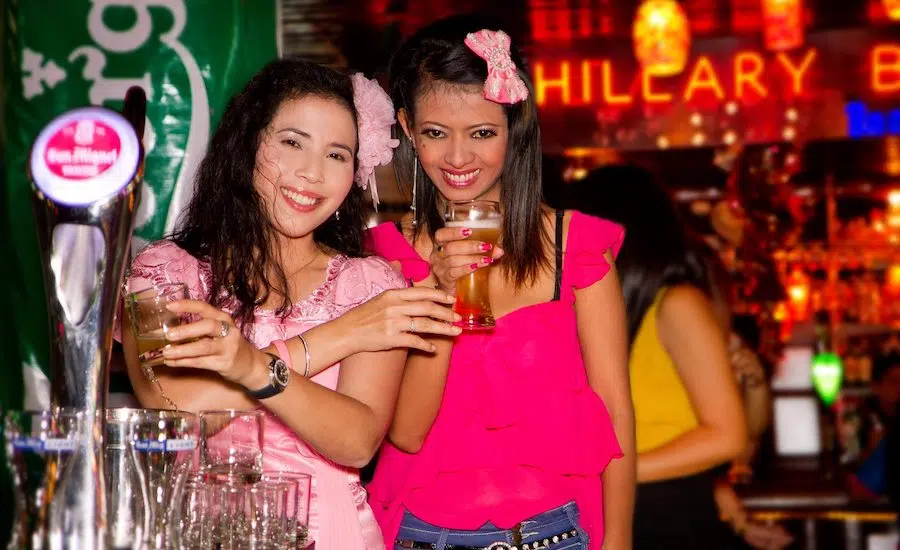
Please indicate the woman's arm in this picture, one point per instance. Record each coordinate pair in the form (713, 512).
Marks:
(191, 390)
(425, 376)
(377, 325)
(600, 311)
(421, 392)
(693, 339)
(347, 425)
(757, 399)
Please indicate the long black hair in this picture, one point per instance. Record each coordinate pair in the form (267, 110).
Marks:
(226, 222)
(658, 251)
(436, 55)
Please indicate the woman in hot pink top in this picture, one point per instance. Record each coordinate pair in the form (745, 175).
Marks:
(293, 317)
(503, 437)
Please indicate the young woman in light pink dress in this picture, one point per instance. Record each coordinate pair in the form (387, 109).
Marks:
(271, 247)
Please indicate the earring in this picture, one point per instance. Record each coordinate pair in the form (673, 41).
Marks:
(415, 183)
(337, 214)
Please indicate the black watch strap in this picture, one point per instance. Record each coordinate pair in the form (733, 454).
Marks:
(271, 389)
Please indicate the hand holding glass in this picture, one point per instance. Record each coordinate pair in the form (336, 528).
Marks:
(151, 320)
(473, 301)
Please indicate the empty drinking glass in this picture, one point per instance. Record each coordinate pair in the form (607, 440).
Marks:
(37, 446)
(268, 502)
(231, 444)
(297, 512)
(126, 500)
(164, 443)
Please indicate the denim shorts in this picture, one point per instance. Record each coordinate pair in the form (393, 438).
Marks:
(536, 528)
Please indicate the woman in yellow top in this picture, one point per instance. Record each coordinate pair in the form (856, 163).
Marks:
(688, 415)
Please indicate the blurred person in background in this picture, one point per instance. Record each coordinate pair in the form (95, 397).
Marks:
(688, 411)
(871, 478)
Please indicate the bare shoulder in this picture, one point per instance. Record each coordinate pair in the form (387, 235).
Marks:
(549, 217)
(683, 299)
(684, 307)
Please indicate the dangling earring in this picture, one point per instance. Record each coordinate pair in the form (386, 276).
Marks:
(415, 183)
(337, 214)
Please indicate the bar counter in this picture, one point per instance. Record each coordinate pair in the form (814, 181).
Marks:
(814, 503)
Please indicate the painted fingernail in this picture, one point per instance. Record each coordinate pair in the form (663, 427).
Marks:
(451, 298)
(457, 330)
(473, 267)
(433, 348)
(485, 247)
(487, 260)
(465, 232)
(457, 317)
(173, 334)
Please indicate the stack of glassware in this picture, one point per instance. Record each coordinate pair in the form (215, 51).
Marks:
(173, 480)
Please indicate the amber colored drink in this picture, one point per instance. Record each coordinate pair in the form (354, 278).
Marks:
(473, 301)
(150, 346)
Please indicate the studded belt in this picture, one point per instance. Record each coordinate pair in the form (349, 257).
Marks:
(547, 542)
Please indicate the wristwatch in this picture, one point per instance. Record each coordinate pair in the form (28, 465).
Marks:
(279, 376)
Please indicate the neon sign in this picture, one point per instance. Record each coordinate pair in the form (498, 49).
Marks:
(747, 75)
(863, 122)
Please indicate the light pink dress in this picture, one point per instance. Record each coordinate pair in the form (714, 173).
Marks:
(340, 518)
(520, 431)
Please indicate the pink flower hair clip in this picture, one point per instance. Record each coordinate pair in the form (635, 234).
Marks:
(503, 84)
(375, 116)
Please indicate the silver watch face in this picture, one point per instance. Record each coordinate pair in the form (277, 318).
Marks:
(281, 374)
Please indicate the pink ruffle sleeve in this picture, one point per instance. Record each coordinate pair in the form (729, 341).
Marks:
(164, 262)
(385, 240)
(362, 279)
(590, 238)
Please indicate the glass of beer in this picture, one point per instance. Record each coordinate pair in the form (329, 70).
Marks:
(473, 302)
(151, 320)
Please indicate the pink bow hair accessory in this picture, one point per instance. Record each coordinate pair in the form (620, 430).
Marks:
(503, 84)
(375, 116)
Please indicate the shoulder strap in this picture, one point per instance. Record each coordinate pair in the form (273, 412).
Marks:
(557, 289)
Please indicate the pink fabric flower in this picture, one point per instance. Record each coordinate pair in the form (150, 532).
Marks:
(503, 84)
(375, 116)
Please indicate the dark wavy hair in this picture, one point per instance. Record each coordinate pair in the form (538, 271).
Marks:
(226, 222)
(658, 250)
(436, 55)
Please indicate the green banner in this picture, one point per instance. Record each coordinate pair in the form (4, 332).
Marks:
(189, 56)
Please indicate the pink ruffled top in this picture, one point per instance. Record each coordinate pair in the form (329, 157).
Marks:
(340, 518)
(520, 431)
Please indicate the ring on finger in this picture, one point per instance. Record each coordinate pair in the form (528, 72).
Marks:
(223, 332)
(440, 249)
(412, 325)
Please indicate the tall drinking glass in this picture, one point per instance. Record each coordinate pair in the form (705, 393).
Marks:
(473, 301)
(127, 503)
(231, 444)
(296, 534)
(164, 443)
(151, 321)
(37, 445)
